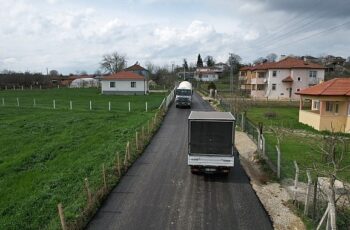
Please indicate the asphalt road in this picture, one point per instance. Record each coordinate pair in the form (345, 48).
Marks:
(159, 191)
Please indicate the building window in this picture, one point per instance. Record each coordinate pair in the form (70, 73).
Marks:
(273, 86)
(274, 73)
(329, 106)
(336, 108)
(112, 84)
(261, 75)
(298, 90)
(313, 74)
(299, 79)
(133, 84)
(316, 105)
(261, 87)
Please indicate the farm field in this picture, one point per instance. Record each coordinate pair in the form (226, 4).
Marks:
(45, 154)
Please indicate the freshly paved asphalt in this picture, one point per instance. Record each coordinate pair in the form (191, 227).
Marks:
(159, 191)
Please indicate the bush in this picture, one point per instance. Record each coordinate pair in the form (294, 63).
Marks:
(212, 86)
(270, 115)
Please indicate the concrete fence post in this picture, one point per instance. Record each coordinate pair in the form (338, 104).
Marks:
(308, 189)
(295, 181)
(104, 177)
(3, 101)
(61, 214)
(87, 187)
(90, 105)
(17, 102)
(146, 106)
(129, 107)
(22, 88)
(242, 122)
(259, 140)
(54, 104)
(34, 102)
(70, 105)
(278, 162)
(118, 164)
(137, 141)
(109, 106)
(14, 87)
(31, 87)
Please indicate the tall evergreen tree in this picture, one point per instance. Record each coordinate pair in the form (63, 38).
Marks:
(185, 65)
(199, 61)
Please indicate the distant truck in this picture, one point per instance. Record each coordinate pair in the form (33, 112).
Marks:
(184, 94)
(211, 141)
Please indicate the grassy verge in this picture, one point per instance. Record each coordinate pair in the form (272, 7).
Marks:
(46, 153)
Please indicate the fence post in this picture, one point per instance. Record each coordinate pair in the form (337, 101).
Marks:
(70, 105)
(148, 128)
(40, 86)
(104, 177)
(295, 181)
(146, 106)
(109, 106)
(61, 214)
(118, 164)
(278, 162)
(242, 122)
(129, 150)
(17, 102)
(137, 141)
(90, 105)
(307, 198)
(314, 200)
(14, 87)
(259, 140)
(54, 104)
(89, 196)
(34, 102)
(5, 87)
(263, 145)
(3, 101)
(22, 87)
(129, 107)
(31, 87)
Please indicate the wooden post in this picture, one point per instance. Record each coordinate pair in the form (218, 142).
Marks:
(118, 164)
(146, 107)
(137, 141)
(125, 158)
(61, 214)
(104, 177)
(242, 122)
(70, 105)
(307, 198)
(90, 105)
(54, 104)
(109, 106)
(148, 128)
(143, 135)
(278, 162)
(34, 102)
(323, 218)
(259, 140)
(17, 102)
(263, 145)
(129, 107)
(295, 181)
(89, 196)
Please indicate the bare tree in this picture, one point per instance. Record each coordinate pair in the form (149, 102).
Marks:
(272, 57)
(113, 63)
(53, 73)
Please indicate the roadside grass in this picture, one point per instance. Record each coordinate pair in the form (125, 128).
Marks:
(45, 154)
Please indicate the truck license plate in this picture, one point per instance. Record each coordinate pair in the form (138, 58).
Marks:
(210, 170)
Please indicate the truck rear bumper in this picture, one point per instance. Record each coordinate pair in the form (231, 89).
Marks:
(211, 161)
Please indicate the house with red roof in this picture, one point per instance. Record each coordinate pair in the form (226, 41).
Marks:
(282, 79)
(124, 83)
(330, 107)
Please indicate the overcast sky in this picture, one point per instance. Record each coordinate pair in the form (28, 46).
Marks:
(72, 36)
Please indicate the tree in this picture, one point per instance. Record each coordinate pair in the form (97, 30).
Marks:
(210, 61)
(199, 61)
(53, 73)
(272, 57)
(259, 60)
(185, 65)
(113, 63)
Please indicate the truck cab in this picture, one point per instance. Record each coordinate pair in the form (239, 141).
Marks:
(211, 141)
(184, 93)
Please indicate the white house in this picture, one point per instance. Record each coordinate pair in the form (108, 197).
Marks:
(282, 79)
(206, 74)
(124, 83)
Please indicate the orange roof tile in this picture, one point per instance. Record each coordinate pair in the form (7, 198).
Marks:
(334, 87)
(124, 75)
(288, 63)
(135, 67)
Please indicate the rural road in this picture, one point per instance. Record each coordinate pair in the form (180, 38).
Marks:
(159, 191)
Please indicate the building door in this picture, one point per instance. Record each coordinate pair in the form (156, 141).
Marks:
(290, 92)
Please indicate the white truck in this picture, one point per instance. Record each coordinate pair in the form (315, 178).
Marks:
(184, 94)
(211, 141)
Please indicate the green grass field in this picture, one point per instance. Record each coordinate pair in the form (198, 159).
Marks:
(45, 154)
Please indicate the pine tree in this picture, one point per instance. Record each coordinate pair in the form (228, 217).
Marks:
(199, 61)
